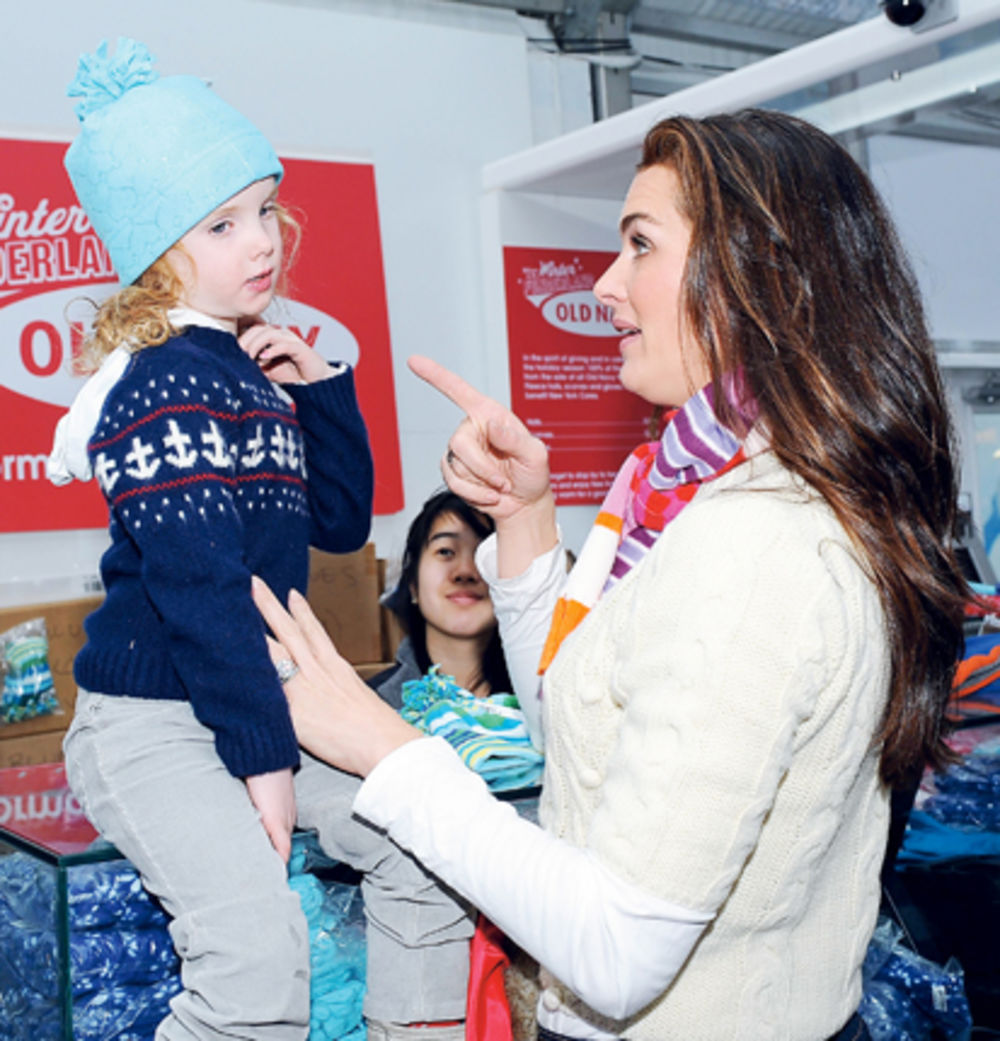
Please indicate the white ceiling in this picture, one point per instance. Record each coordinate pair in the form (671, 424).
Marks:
(651, 48)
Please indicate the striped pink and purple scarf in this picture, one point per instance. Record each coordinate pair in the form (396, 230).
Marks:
(653, 485)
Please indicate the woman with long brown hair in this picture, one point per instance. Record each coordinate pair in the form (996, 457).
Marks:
(757, 638)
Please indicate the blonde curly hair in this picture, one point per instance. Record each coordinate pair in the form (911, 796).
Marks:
(136, 315)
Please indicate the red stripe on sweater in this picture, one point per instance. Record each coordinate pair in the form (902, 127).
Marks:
(231, 417)
(152, 489)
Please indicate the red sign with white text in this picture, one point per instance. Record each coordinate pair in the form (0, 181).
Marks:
(564, 363)
(36, 804)
(52, 264)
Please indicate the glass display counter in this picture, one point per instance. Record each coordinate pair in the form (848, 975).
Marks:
(85, 954)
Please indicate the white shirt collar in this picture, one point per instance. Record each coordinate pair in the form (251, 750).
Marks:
(181, 317)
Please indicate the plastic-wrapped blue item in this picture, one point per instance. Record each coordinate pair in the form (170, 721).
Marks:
(98, 958)
(27, 891)
(907, 997)
(124, 1011)
(110, 893)
(106, 893)
(968, 794)
(28, 687)
(121, 957)
(335, 915)
(929, 841)
(957, 811)
(24, 1014)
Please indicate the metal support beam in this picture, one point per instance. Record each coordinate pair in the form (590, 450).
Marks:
(556, 7)
(529, 7)
(720, 33)
(610, 86)
(582, 26)
(575, 24)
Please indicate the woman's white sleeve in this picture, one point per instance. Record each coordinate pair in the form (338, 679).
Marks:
(612, 944)
(524, 606)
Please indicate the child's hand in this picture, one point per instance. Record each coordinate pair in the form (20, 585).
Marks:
(283, 356)
(274, 796)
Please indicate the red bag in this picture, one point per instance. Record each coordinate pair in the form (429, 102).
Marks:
(488, 1013)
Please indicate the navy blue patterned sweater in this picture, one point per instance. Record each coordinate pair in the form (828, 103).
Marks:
(204, 467)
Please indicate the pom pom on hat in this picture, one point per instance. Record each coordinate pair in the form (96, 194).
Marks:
(101, 80)
(154, 155)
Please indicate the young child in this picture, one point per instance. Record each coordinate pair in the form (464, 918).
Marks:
(181, 748)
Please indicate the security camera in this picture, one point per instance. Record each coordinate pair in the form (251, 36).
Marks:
(920, 15)
(904, 12)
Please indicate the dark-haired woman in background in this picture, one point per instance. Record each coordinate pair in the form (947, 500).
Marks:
(443, 604)
(418, 931)
(757, 640)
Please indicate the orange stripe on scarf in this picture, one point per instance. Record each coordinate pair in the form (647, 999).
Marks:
(567, 615)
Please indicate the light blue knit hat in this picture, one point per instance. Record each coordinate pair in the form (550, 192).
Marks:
(155, 156)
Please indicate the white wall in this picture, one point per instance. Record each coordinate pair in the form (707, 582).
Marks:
(429, 91)
(946, 205)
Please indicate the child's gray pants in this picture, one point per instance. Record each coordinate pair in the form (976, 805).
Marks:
(147, 775)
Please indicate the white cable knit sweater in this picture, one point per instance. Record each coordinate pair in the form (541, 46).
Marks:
(709, 759)
(709, 736)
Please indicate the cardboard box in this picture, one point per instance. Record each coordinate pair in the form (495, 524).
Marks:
(372, 668)
(33, 749)
(64, 628)
(392, 631)
(343, 593)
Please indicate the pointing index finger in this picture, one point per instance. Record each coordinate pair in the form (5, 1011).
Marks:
(451, 385)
